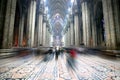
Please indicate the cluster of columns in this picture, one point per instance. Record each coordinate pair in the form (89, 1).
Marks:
(43, 34)
(86, 23)
(43, 28)
(69, 35)
(9, 23)
(67, 38)
(112, 23)
(72, 36)
(48, 37)
(36, 35)
(92, 35)
(46, 34)
(111, 20)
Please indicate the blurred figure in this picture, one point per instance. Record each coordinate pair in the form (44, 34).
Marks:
(57, 51)
(71, 62)
(48, 55)
(53, 50)
(62, 51)
(73, 53)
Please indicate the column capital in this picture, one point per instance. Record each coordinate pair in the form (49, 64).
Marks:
(41, 9)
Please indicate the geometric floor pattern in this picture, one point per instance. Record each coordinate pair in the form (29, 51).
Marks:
(88, 67)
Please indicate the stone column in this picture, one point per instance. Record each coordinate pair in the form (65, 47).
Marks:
(72, 33)
(76, 27)
(116, 8)
(65, 39)
(80, 30)
(44, 33)
(31, 23)
(29, 14)
(21, 29)
(69, 32)
(68, 37)
(86, 23)
(2, 15)
(111, 23)
(94, 32)
(93, 26)
(47, 35)
(35, 37)
(9, 24)
(48, 38)
(40, 25)
(2, 18)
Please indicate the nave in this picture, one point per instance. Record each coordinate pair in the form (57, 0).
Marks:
(29, 65)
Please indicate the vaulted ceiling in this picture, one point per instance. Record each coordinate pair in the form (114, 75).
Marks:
(58, 11)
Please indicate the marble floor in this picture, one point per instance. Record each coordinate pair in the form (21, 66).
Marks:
(89, 65)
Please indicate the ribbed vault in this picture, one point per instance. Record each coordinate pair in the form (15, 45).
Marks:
(57, 10)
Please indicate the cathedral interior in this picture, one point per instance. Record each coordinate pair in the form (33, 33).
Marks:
(59, 39)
